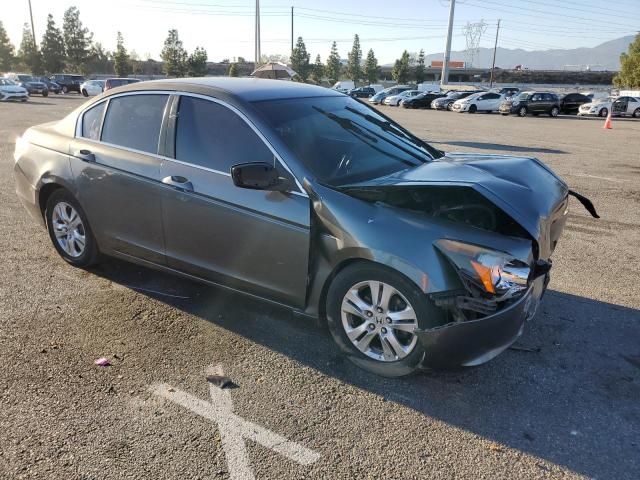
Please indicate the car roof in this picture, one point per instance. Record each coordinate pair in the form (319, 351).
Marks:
(247, 89)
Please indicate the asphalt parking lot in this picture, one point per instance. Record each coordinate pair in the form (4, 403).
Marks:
(563, 404)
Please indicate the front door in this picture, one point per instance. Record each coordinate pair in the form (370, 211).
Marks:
(117, 173)
(620, 106)
(253, 240)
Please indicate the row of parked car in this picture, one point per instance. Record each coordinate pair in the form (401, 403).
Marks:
(508, 100)
(19, 86)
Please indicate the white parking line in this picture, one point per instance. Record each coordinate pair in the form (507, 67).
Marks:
(234, 430)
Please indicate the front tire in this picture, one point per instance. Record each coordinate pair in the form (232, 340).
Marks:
(636, 113)
(603, 112)
(69, 230)
(372, 312)
(554, 112)
(522, 112)
(473, 109)
(45, 94)
(84, 92)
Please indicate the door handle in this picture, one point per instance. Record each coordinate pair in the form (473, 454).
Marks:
(85, 155)
(178, 182)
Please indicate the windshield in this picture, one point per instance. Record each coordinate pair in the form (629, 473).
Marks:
(523, 96)
(341, 141)
(25, 78)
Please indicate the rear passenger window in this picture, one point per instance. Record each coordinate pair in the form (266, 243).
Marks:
(134, 121)
(211, 135)
(91, 121)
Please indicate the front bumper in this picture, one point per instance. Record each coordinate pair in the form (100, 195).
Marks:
(457, 107)
(13, 96)
(477, 341)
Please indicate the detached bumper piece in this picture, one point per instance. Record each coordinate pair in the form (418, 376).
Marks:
(474, 342)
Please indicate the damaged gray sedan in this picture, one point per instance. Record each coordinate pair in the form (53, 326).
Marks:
(305, 197)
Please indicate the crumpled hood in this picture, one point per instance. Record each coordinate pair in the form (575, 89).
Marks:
(524, 188)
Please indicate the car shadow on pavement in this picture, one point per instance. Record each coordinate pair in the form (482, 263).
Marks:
(502, 147)
(568, 393)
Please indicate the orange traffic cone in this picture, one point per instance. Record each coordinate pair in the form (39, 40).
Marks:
(607, 122)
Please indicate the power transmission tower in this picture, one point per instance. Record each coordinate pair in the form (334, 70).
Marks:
(473, 33)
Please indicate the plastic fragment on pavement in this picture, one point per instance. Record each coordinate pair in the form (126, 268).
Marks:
(102, 362)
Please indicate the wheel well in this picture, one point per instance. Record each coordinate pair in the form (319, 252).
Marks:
(322, 311)
(45, 193)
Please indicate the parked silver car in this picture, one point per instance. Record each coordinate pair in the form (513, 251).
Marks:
(305, 197)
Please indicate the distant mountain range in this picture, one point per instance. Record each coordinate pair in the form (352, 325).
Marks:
(605, 56)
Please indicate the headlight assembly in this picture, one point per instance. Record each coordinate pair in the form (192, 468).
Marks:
(489, 272)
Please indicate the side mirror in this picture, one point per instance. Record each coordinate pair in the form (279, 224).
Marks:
(258, 176)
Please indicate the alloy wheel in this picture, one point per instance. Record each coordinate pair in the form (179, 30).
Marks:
(68, 229)
(379, 321)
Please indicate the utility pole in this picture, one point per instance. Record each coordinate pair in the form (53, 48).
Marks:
(33, 30)
(257, 34)
(495, 47)
(447, 51)
(292, 31)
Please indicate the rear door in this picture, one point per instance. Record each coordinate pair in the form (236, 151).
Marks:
(115, 161)
(253, 240)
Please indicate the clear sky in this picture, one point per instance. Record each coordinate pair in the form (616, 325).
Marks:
(225, 27)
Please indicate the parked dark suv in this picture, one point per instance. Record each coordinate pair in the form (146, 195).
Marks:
(68, 83)
(534, 103)
(118, 82)
(362, 92)
(571, 102)
(421, 101)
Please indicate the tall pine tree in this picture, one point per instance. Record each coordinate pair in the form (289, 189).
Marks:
(77, 39)
(28, 53)
(354, 67)
(333, 64)
(300, 60)
(6, 50)
(198, 62)
(318, 70)
(419, 68)
(121, 60)
(371, 71)
(402, 69)
(52, 48)
(174, 55)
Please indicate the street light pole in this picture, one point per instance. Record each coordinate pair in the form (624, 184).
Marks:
(33, 30)
(447, 51)
(257, 34)
(292, 31)
(495, 47)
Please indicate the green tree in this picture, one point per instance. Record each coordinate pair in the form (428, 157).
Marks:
(52, 47)
(198, 62)
(371, 70)
(418, 70)
(121, 60)
(77, 39)
(401, 69)
(629, 74)
(354, 61)
(174, 55)
(6, 50)
(317, 71)
(233, 70)
(98, 60)
(333, 64)
(300, 60)
(28, 52)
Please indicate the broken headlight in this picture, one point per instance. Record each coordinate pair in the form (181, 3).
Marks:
(484, 271)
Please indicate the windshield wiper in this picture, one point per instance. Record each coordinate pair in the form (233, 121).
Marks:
(395, 130)
(357, 130)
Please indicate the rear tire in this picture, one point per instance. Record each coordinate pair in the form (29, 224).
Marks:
(636, 113)
(554, 112)
(522, 112)
(69, 230)
(388, 346)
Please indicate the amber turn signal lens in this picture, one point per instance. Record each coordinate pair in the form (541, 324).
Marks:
(485, 275)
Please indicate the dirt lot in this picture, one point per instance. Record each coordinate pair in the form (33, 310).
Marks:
(565, 405)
